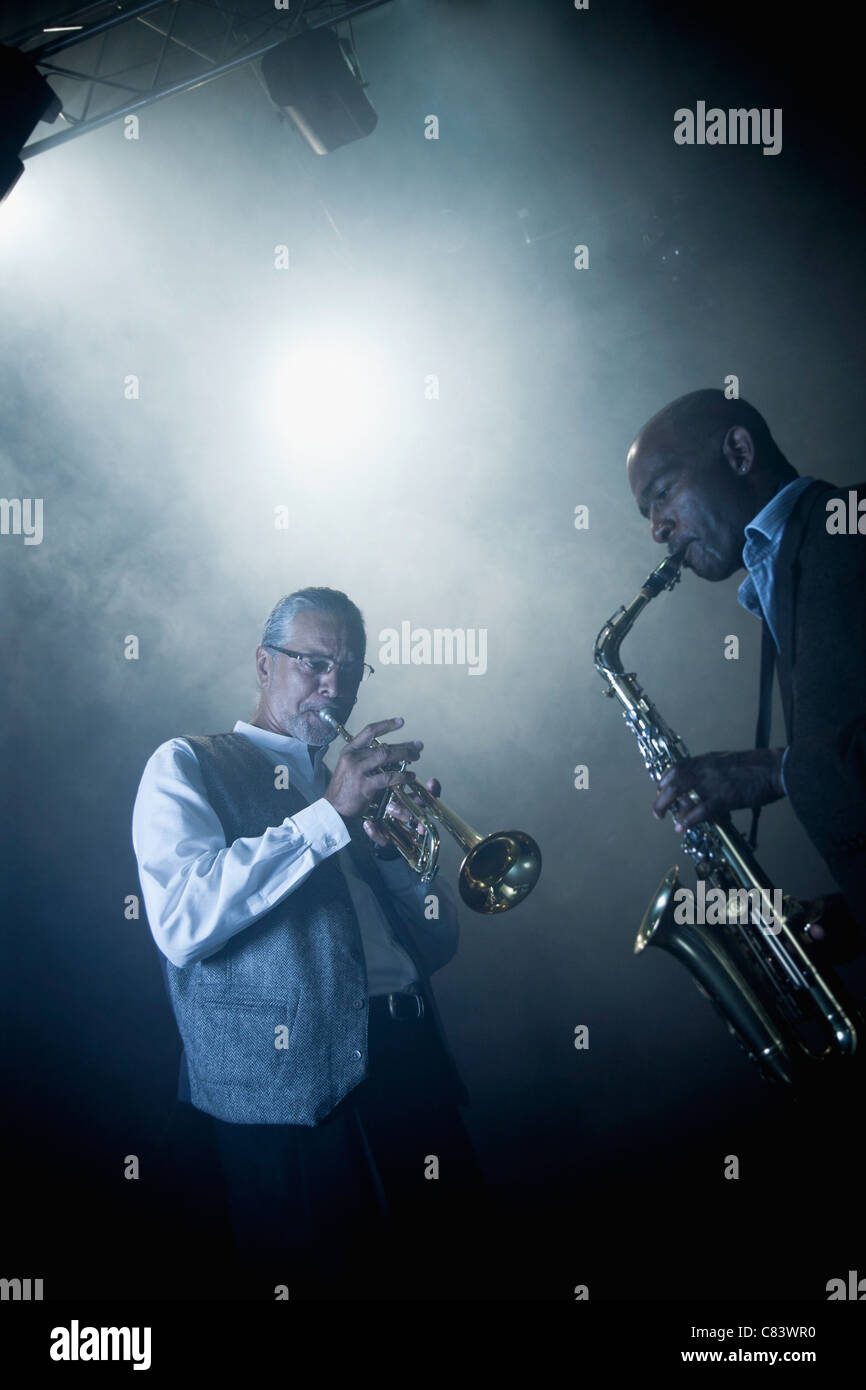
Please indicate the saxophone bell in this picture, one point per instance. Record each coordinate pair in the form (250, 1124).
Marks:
(719, 979)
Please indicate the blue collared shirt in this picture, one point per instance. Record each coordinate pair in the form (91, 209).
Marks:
(764, 533)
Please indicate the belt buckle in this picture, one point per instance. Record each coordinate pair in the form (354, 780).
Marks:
(393, 1010)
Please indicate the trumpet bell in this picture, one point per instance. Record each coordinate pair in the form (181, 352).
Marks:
(500, 871)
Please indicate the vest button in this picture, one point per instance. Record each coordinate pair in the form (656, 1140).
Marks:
(356, 1054)
(357, 1004)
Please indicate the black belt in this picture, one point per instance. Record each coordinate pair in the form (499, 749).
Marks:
(402, 1008)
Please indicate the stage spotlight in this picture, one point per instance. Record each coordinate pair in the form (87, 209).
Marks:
(313, 79)
(25, 100)
(328, 396)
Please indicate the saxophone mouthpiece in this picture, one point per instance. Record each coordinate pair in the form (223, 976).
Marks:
(665, 575)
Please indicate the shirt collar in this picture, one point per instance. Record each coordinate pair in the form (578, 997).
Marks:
(771, 520)
(764, 533)
(293, 750)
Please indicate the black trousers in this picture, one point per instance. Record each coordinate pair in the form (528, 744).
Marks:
(384, 1199)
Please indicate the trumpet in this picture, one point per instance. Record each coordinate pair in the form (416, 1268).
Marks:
(498, 871)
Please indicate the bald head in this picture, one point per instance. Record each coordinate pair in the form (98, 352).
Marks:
(690, 421)
(700, 470)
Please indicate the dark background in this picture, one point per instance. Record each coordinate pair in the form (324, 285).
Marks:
(607, 1164)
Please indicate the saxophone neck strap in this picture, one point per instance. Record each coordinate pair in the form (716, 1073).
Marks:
(765, 710)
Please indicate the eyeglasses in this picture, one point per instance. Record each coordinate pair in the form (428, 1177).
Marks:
(323, 665)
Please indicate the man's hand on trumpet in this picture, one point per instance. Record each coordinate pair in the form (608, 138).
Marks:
(402, 813)
(360, 770)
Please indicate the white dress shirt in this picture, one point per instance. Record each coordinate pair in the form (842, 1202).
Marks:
(199, 892)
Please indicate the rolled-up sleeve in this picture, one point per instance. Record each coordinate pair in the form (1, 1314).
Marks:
(198, 891)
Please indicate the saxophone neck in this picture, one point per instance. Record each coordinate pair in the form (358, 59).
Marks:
(618, 625)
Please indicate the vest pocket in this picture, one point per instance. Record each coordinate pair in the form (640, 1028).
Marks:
(246, 1044)
(260, 965)
(214, 976)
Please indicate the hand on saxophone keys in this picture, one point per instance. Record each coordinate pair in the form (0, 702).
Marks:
(704, 788)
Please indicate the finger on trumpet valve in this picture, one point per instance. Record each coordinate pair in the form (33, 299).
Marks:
(398, 811)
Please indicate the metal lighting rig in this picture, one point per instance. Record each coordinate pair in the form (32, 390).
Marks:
(106, 60)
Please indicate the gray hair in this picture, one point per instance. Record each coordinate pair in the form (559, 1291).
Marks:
(331, 601)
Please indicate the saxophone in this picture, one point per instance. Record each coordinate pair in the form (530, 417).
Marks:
(751, 965)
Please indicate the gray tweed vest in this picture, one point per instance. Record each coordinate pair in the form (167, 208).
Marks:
(274, 1023)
